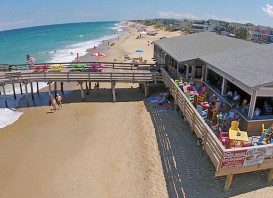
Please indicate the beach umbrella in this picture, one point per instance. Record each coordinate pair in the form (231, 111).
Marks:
(98, 54)
(139, 51)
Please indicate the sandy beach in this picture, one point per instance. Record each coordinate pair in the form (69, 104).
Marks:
(87, 149)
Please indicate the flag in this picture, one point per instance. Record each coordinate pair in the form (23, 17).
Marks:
(30, 60)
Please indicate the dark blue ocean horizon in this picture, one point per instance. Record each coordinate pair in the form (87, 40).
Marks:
(56, 42)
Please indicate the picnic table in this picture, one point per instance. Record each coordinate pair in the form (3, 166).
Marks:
(96, 67)
(78, 67)
(56, 67)
(38, 68)
(237, 138)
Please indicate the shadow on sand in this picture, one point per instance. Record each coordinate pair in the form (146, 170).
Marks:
(187, 168)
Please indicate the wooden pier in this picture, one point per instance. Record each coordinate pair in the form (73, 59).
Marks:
(112, 73)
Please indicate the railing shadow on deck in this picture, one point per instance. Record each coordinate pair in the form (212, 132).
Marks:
(74, 96)
(187, 168)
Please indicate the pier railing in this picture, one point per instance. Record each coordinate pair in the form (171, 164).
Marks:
(69, 65)
(226, 161)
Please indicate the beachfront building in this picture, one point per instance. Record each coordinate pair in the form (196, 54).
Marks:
(225, 64)
(261, 33)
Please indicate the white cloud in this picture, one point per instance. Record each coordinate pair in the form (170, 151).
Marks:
(226, 19)
(171, 14)
(268, 10)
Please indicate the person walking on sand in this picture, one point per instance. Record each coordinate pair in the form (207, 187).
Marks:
(59, 101)
(97, 88)
(53, 103)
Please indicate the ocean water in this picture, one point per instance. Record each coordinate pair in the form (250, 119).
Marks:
(50, 43)
(41, 42)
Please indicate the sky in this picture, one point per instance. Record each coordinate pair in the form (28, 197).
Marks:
(27, 13)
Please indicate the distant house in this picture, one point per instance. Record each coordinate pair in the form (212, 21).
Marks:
(268, 35)
(258, 33)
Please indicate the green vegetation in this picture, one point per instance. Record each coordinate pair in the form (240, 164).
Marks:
(242, 34)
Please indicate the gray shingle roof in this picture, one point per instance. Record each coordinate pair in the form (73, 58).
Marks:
(247, 62)
(192, 46)
(253, 66)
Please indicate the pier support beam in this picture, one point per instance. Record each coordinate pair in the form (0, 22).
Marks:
(82, 91)
(62, 88)
(27, 101)
(86, 87)
(90, 85)
(38, 91)
(5, 97)
(55, 89)
(13, 88)
(146, 89)
(31, 88)
(49, 93)
(228, 182)
(113, 86)
(21, 88)
(142, 87)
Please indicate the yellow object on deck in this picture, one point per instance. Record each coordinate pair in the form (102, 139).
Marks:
(56, 67)
(238, 135)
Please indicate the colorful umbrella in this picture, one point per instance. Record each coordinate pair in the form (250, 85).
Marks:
(98, 54)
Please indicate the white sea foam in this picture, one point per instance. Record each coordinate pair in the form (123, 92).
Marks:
(64, 55)
(8, 116)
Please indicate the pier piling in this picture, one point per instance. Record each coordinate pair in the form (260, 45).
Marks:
(55, 89)
(31, 89)
(13, 88)
(37, 84)
(87, 88)
(21, 88)
(5, 97)
(113, 85)
(82, 91)
(62, 88)
(49, 93)
(27, 101)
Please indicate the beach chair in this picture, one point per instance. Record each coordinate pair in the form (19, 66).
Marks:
(204, 113)
(260, 139)
(224, 137)
(234, 126)
(191, 98)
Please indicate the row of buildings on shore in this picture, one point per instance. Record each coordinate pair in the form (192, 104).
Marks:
(252, 32)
